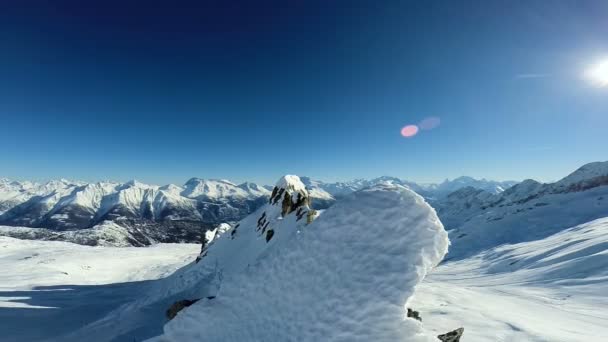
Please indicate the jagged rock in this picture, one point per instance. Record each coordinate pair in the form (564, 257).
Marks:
(452, 336)
(291, 192)
(414, 314)
(179, 306)
(269, 234)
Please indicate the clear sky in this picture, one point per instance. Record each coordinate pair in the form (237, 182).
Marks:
(170, 90)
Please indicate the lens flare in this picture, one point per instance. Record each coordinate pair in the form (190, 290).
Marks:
(429, 123)
(409, 131)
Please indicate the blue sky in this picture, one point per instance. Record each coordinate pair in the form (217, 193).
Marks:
(112, 90)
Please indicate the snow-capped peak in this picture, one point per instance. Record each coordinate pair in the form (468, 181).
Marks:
(586, 176)
(213, 189)
(137, 184)
(290, 193)
(291, 183)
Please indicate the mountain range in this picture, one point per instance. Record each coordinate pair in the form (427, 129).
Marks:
(133, 213)
(370, 250)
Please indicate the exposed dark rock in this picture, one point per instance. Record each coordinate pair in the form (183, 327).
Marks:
(269, 234)
(179, 306)
(233, 232)
(452, 336)
(414, 314)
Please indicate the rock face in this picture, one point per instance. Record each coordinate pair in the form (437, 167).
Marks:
(288, 201)
(292, 194)
(179, 306)
(414, 314)
(452, 336)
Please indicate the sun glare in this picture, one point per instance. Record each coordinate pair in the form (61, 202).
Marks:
(598, 73)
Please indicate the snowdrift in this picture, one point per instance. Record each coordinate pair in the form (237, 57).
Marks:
(347, 276)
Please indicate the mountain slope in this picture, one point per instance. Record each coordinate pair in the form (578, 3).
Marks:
(247, 270)
(527, 211)
(551, 289)
(135, 212)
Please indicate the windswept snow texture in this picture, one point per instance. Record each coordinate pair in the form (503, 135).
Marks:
(552, 289)
(345, 277)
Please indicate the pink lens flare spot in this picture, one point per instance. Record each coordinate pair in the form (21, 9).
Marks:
(409, 131)
(429, 123)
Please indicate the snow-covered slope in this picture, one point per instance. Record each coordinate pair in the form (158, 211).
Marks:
(51, 288)
(347, 276)
(27, 264)
(552, 289)
(527, 211)
(494, 187)
(330, 191)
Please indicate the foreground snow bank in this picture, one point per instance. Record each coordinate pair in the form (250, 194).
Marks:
(345, 277)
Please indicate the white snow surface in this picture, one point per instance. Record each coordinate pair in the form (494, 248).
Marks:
(537, 218)
(29, 264)
(585, 173)
(552, 289)
(221, 189)
(345, 277)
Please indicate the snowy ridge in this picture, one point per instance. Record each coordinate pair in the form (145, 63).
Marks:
(68, 206)
(393, 240)
(228, 251)
(221, 188)
(587, 176)
(525, 212)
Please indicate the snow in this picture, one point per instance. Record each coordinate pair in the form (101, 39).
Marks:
(27, 264)
(292, 183)
(213, 189)
(552, 289)
(527, 264)
(107, 233)
(585, 173)
(60, 205)
(49, 289)
(254, 189)
(537, 218)
(347, 276)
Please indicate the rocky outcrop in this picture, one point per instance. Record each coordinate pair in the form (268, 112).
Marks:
(452, 336)
(179, 306)
(414, 314)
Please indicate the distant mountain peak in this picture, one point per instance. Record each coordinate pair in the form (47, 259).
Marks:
(587, 173)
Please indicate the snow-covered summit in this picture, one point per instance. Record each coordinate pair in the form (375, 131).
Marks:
(254, 189)
(214, 189)
(291, 183)
(370, 249)
(587, 176)
(290, 193)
